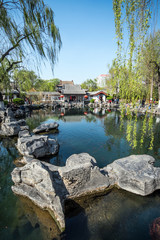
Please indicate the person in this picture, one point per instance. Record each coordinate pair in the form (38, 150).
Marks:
(143, 102)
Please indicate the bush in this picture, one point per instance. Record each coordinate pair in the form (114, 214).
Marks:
(18, 101)
(109, 98)
(92, 100)
(5, 102)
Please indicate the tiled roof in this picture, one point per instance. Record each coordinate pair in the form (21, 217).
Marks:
(65, 82)
(44, 93)
(97, 93)
(72, 89)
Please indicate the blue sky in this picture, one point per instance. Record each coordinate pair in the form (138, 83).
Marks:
(87, 33)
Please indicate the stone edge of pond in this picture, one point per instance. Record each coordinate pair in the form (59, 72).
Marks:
(82, 177)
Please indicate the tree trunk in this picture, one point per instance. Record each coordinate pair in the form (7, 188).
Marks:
(151, 93)
(158, 89)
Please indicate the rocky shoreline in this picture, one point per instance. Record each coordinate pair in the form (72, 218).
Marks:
(49, 186)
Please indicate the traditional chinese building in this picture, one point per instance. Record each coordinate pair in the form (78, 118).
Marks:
(98, 96)
(73, 93)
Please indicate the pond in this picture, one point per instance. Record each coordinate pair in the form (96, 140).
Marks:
(116, 215)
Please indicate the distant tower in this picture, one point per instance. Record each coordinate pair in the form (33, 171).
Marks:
(102, 79)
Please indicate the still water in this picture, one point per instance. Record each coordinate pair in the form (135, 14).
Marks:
(117, 215)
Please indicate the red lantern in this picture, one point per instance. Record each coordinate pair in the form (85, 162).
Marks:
(85, 96)
(62, 96)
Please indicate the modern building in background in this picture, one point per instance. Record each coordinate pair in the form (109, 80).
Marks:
(102, 80)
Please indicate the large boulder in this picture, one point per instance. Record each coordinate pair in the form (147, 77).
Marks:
(46, 127)
(43, 187)
(135, 174)
(37, 146)
(49, 186)
(12, 128)
(81, 175)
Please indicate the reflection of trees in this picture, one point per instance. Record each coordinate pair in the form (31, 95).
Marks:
(112, 125)
(138, 131)
(8, 153)
(90, 118)
(38, 117)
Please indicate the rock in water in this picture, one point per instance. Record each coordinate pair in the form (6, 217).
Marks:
(12, 128)
(48, 186)
(81, 175)
(37, 146)
(46, 127)
(43, 187)
(135, 174)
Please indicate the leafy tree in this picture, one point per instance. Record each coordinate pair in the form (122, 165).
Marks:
(90, 84)
(150, 64)
(27, 26)
(24, 79)
(136, 16)
(47, 85)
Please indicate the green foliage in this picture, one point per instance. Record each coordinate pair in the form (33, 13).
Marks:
(47, 85)
(136, 16)
(5, 102)
(90, 84)
(92, 100)
(18, 101)
(27, 27)
(24, 79)
(109, 98)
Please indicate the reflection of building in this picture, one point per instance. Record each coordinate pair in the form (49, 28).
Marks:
(102, 80)
(99, 96)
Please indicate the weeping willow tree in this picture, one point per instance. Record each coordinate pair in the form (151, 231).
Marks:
(27, 30)
(133, 20)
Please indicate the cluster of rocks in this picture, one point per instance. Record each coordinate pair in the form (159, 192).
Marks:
(49, 186)
(31, 146)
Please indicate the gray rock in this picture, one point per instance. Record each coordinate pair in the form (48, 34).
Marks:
(23, 133)
(12, 128)
(2, 114)
(26, 160)
(9, 115)
(135, 174)
(81, 175)
(43, 187)
(19, 113)
(46, 127)
(48, 186)
(37, 146)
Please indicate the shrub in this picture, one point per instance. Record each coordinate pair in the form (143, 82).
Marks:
(109, 98)
(92, 100)
(5, 102)
(18, 101)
